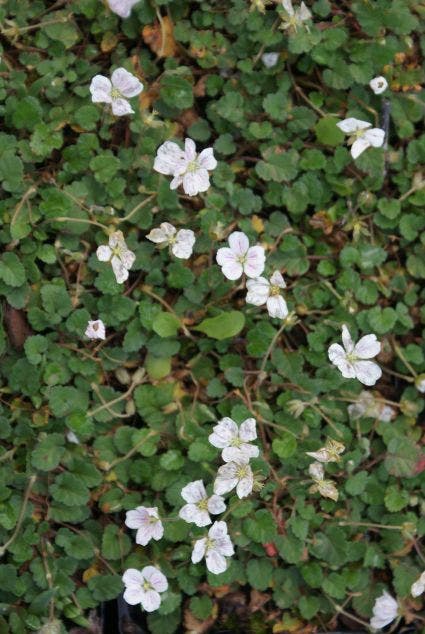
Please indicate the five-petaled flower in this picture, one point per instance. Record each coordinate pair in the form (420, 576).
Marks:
(234, 474)
(385, 611)
(326, 488)
(295, 17)
(95, 329)
(362, 135)
(122, 7)
(144, 587)
(180, 242)
(352, 360)
(215, 548)
(147, 522)
(378, 85)
(118, 254)
(419, 586)
(235, 441)
(199, 505)
(186, 166)
(262, 291)
(240, 258)
(116, 91)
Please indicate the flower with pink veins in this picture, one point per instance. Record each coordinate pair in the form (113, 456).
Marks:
(240, 258)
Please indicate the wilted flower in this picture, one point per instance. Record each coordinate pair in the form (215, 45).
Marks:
(262, 291)
(122, 86)
(329, 453)
(270, 59)
(240, 258)
(350, 360)
(95, 329)
(234, 474)
(199, 505)
(378, 85)
(118, 254)
(188, 168)
(146, 521)
(385, 611)
(296, 17)
(326, 488)
(367, 406)
(361, 137)
(419, 586)
(235, 441)
(215, 548)
(122, 7)
(180, 242)
(144, 587)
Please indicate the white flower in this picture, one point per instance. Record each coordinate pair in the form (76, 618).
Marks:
(420, 383)
(180, 242)
(361, 136)
(419, 586)
(71, 437)
(117, 253)
(146, 521)
(367, 406)
(234, 474)
(296, 17)
(116, 90)
(385, 611)
(95, 329)
(378, 85)
(122, 7)
(326, 488)
(329, 453)
(262, 291)
(234, 440)
(240, 258)
(199, 504)
(143, 586)
(215, 548)
(188, 168)
(351, 361)
(270, 59)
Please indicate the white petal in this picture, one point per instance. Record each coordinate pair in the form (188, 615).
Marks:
(157, 236)
(183, 246)
(206, 159)
(194, 492)
(304, 13)
(367, 372)
(137, 517)
(100, 89)
(103, 253)
(169, 157)
(223, 484)
(277, 280)
(120, 271)
(126, 83)
(359, 146)
(127, 258)
(336, 353)
(352, 125)
(198, 551)
(95, 329)
(378, 85)
(240, 454)
(375, 137)
(255, 259)
(216, 504)
(133, 595)
(316, 471)
(322, 455)
(258, 291)
(216, 563)
(195, 182)
(187, 513)
(239, 243)
(144, 535)
(218, 530)
(189, 150)
(247, 430)
(151, 600)
(157, 530)
(223, 433)
(156, 578)
(176, 182)
(224, 546)
(417, 588)
(244, 486)
(132, 577)
(367, 347)
(287, 5)
(121, 107)
(122, 7)
(277, 307)
(346, 339)
(270, 59)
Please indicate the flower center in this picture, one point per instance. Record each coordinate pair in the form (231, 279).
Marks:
(351, 357)
(116, 251)
(274, 290)
(146, 586)
(153, 520)
(236, 442)
(242, 471)
(241, 259)
(115, 93)
(210, 543)
(192, 166)
(203, 505)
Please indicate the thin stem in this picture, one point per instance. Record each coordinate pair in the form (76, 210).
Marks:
(109, 404)
(16, 30)
(268, 353)
(21, 203)
(326, 418)
(341, 610)
(132, 451)
(400, 354)
(9, 454)
(86, 220)
(409, 379)
(372, 525)
(145, 289)
(136, 209)
(412, 190)
(10, 541)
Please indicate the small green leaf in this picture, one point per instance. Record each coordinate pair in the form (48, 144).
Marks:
(166, 325)
(12, 271)
(223, 326)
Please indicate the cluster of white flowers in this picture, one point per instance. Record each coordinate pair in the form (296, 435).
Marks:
(329, 453)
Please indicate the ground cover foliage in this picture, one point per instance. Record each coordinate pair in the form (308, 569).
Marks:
(183, 349)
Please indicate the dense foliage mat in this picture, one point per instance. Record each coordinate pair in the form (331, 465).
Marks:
(92, 429)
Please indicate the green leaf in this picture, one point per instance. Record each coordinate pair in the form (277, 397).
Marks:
(327, 131)
(48, 452)
(285, 447)
(259, 573)
(12, 271)
(157, 367)
(201, 607)
(115, 543)
(175, 90)
(396, 498)
(223, 326)
(166, 324)
(105, 587)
